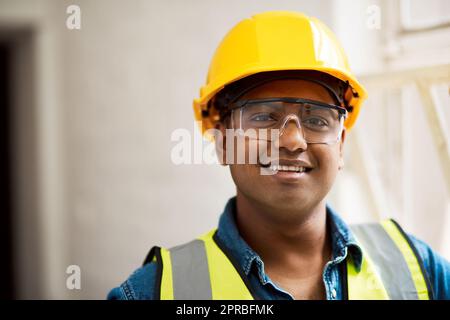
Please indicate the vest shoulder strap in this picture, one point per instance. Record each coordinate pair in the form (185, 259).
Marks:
(390, 259)
(201, 270)
(154, 256)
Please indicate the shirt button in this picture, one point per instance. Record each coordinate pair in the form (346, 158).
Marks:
(333, 293)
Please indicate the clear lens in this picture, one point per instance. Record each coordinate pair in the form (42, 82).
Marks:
(318, 124)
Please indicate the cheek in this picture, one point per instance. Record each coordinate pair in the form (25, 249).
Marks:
(328, 160)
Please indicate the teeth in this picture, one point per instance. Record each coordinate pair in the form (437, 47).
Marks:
(287, 168)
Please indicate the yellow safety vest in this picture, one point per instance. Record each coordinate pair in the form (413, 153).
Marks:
(204, 269)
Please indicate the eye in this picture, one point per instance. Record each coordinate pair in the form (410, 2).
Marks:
(262, 117)
(315, 122)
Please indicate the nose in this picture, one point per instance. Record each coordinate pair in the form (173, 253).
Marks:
(292, 137)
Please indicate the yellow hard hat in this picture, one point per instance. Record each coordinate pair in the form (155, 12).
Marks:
(274, 41)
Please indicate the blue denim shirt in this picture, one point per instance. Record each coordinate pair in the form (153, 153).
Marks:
(141, 284)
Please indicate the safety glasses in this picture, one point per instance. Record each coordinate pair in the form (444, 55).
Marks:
(318, 122)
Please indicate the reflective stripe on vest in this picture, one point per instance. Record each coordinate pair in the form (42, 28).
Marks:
(390, 269)
(201, 270)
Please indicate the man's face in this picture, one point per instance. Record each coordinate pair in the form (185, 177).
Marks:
(291, 192)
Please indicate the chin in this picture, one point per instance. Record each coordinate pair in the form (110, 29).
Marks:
(288, 201)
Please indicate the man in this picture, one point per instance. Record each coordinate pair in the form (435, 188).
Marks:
(284, 77)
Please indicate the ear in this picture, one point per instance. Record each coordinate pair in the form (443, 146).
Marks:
(341, 150)
(220, 142)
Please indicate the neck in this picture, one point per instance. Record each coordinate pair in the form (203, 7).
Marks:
(299, 241)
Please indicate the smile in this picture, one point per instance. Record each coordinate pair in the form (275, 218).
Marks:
(298, 169)
(286, 174)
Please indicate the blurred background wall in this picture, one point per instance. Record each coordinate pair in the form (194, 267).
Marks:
(87, 117)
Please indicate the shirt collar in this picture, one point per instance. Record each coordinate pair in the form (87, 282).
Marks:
(343, 241)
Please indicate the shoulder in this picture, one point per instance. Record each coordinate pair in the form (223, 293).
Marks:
(436, 267)
(139, 286)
